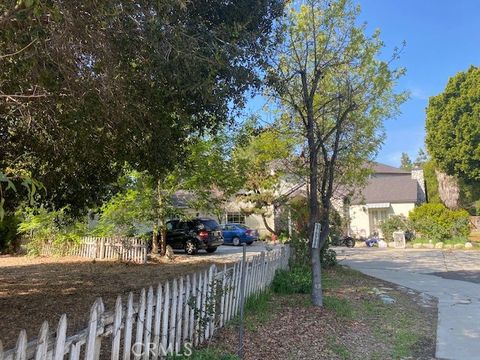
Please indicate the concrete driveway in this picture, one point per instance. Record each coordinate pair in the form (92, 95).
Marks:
(227, 253)
(451, 276)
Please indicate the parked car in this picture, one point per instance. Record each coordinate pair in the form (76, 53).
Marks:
(195, 234)
(237, 234)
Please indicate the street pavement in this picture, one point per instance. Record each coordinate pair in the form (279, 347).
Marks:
(451, 276)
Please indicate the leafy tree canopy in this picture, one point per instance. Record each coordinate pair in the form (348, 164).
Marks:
(405, 162)
(86, 86)
(453, 126)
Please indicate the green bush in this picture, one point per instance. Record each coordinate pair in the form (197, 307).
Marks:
(298, 280)
(395, 223)
(438, 223)
(39, 226)
(328, 257)
(8, 233)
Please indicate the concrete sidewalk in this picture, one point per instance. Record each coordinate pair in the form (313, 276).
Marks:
(458, 330)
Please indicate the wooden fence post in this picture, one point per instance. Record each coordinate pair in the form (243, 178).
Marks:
(127, 349)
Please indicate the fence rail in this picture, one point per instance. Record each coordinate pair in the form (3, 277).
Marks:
(118, 248)
(185, 311)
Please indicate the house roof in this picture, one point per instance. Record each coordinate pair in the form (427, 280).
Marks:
(379, 168)
(392, 189)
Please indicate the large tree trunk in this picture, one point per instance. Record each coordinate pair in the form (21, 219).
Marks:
(448, 189)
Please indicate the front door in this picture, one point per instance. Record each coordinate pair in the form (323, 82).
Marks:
(377, 216)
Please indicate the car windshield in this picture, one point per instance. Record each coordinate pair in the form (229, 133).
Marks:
(242, 226)
(210, 224)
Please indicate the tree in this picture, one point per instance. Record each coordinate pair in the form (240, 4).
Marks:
(264, 154)
(208, 175)
(453, 129)
(405, 162)
(327, 78)
(86, 87)
(421, 158)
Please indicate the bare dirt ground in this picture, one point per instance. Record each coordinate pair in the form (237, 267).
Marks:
(354, 324)
(33, 290)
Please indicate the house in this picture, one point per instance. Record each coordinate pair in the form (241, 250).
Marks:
(389, 191)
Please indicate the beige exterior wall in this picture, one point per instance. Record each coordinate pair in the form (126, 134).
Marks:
(253, 221)
(361, 220)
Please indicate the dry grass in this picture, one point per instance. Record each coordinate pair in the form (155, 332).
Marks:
(33, 290)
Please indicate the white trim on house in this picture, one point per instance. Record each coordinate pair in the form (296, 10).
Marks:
(378, 206)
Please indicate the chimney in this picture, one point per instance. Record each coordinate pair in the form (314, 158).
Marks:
(417, 174)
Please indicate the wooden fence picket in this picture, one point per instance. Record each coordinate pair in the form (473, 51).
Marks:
(186, 310)
(157, 323)
(140, 323)
(42, 347)
(222, 300)
(148, 324)
(127, 348)
(61, 337)
(192, 305)
(21, 348)
(166, 312)
(173, 315)
(117, 326)
(198, 308)
(179, 322)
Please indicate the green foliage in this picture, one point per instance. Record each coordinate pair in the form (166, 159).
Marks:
(328, 257)
(38, 225)
(452, 126)
(342, 307)
(431, 182)
(259, 306)
(438, 223)
(297, 280)
(8, 233)
(130, 209)
(394, 223)
(405, 162)
(88, 86)
(262, 154)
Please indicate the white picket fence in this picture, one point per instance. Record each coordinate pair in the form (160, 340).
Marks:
(117, 248)
(185, 311)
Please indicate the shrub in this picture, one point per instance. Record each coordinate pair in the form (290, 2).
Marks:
(438, 223)
(8, 233)
(395, 223)
(298, 280)
(40, 226)
(328, 257)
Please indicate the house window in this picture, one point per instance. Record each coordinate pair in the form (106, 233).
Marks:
(235, 217)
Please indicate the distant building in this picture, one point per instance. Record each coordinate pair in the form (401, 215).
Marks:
(389, 191)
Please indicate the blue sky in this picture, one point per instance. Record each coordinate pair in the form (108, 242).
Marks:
(443, 38)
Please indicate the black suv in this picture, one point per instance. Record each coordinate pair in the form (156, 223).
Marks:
(195, 234)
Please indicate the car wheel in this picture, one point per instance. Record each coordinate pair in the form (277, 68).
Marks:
(191, 247)
(236, 241)
(350, 242)
(249, 243)
(211, 250)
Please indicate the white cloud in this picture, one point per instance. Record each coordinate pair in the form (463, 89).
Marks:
(418, 93)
